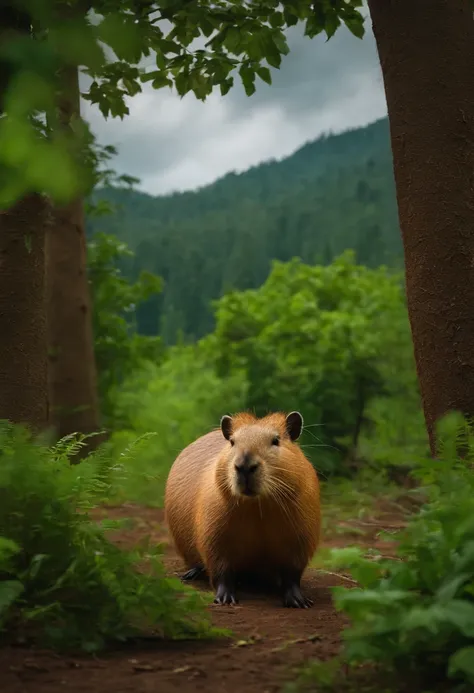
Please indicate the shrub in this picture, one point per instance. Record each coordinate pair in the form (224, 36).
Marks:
(317, 339)
(61, 579)
(416, 614)
(177, 401)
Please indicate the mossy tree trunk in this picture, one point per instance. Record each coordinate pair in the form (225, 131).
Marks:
(426, 50)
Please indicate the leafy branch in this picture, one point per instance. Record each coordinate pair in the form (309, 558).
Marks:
(196, 46)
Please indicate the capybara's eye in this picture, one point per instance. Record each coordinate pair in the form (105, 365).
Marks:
(231, 441)
(276, 441)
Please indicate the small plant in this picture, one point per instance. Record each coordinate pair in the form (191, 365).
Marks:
(61, 579)
(416, 613)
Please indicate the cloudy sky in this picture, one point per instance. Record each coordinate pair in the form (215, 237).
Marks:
(178, 144)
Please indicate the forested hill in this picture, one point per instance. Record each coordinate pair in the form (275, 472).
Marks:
(332, 194)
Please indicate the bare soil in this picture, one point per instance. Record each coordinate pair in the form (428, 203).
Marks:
(270, 642)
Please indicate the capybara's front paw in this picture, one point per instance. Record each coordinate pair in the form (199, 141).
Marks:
(225, 594)
(293, 598)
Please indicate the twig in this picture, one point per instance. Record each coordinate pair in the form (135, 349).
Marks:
(339, 575)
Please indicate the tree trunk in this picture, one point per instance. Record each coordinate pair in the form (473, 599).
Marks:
(23, 337)
(72, 370)
(426, 50)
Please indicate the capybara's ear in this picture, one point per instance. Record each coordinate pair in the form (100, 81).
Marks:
(294, 425)
(226, 426)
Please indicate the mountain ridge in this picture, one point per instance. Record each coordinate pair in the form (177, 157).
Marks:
(334, 193)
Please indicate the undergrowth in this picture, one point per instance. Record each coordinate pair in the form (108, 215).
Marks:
(179, 400)
(61, 579)
(414, 614)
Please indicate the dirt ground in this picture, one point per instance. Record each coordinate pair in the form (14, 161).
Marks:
(270, 641)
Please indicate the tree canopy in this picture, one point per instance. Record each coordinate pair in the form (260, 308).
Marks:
(196, 46)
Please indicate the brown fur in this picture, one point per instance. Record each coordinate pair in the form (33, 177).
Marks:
(212, 526)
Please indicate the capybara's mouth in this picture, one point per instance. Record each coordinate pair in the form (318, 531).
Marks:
(250, 493)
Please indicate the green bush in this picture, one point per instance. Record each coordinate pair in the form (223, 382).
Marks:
(178, 401)
(416, 613)
(325, 340)
(61, 579)
(396, 435)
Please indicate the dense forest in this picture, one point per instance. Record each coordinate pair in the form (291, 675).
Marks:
(332, 194)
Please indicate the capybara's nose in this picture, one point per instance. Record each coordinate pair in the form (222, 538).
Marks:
(245, 467)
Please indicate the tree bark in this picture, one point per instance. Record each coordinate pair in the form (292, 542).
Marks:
(426, 50)
(72, 370)
(23, 336)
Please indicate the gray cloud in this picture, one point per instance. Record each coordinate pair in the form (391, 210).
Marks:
(175, 144)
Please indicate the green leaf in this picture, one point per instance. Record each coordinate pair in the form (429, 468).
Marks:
(381, 597)
(254, 47)
(206, 27)
(270, 51)
(462, 662)
(35, 565)
(182, 83)
(161, 80)
(291, 19)
(460, 613)
(355, 23)
(248, 79)
(264, 73)
(123, 35)
(160, 60)
(200, 85)
(421, 617)
(315, 24)
(450, 588)
(131, 86)
(226, 85)
(367, 573)
(279, 39)
(234, 37)
(166, 46)
(331, 24)
(345, 557)
(10, 590)
(277, 20)
(8, 548)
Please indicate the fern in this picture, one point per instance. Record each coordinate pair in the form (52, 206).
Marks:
(61, 580)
